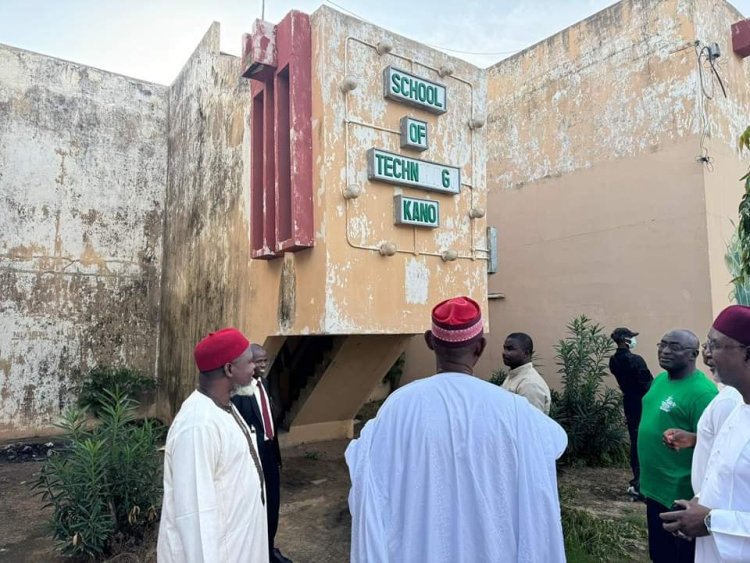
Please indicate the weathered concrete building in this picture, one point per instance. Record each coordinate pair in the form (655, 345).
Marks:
(326, 204)
(83, 169)
(338, 310)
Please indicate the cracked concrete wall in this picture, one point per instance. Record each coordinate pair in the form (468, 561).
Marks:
(82, 180)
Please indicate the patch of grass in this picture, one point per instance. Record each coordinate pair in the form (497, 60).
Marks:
(589, 537)
(312, 454)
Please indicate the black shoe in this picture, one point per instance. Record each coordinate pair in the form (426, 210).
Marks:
(278, 558)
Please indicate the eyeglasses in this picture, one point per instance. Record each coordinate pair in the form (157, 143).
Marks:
(674, 346)
(714, 345)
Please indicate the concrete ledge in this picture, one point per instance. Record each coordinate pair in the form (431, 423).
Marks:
(319, 432)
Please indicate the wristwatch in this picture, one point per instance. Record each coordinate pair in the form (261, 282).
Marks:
(707, 522)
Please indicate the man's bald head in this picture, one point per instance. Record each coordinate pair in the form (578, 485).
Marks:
(678, 350)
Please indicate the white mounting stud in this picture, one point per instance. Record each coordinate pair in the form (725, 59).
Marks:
(349, 84)
(476, 122)
(383, 48)
(387, 249)
(352, 191)
(449, 255)
(476, 213)
(446, 70)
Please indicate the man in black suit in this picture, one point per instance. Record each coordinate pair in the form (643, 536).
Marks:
(254, 404)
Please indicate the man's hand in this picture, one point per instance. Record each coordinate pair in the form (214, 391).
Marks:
(676, 439)
(688, 522)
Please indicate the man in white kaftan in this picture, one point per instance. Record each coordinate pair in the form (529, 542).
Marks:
(213, 508)
(719, 518)
(726, 491)
(455, 469)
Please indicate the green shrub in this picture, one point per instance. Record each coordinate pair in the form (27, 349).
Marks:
(589, 412)
(740, 292)
(99, 380)
(106, 480)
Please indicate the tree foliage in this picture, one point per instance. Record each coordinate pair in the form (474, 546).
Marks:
(740, 292)
(590, 412)
(743, 227)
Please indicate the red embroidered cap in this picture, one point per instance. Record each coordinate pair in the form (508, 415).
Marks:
(219, 348)
(457, 322)
(734, 322)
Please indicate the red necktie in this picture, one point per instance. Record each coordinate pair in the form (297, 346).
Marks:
(267, 426)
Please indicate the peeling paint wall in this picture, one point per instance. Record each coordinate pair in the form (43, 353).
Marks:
(615, 85)
(596, 191)
(334, 288)
(594, 186)
(82, 180)
(364, 291)
(205, 281)
(724, 119)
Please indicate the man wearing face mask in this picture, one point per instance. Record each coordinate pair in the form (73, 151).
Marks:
(634, 379)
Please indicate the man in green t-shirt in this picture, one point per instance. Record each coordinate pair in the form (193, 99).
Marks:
(676, 399)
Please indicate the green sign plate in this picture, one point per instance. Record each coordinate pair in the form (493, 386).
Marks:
(406, 88)
(413, 134)
(384, 166)
(416, 212)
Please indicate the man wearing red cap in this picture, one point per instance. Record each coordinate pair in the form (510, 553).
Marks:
(719, 517)
(455, 469)
(213, 509)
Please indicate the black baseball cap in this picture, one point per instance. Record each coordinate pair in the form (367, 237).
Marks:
(622, 332)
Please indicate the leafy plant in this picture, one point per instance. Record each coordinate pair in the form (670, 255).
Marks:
(394, 374)
(589, 412)
(498, 377)
(740, 293)
(101, 380)
(743, 227)
(106, 480)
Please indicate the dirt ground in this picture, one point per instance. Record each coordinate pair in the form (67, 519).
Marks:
(315, 519)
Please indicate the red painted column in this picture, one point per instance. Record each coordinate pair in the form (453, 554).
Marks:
(279, 60)
(294, 203)
(741, 38)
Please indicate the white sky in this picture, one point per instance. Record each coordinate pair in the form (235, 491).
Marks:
(152, 39)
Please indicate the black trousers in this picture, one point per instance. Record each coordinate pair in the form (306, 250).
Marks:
(633, 411)
(663, 547)
(273, 495)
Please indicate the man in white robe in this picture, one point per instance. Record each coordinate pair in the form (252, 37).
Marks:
(709, 424)
(455, 469)
(719, 518)
(213, 509)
